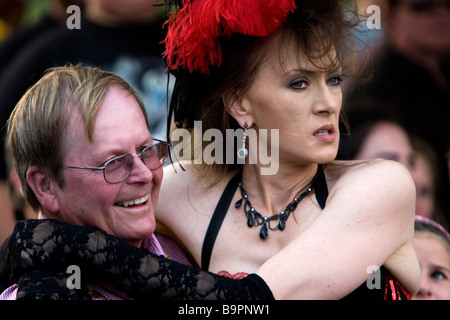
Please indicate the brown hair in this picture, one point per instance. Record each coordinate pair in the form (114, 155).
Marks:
(38, 122)
(423, 224)
(317, 27)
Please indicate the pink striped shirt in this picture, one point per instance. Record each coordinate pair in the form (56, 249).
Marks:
(156, 243)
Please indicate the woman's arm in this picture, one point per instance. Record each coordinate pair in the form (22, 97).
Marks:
(329, 260)
(368, 218)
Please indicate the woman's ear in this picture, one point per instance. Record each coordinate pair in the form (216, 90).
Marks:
(239, 109)
(43, 189)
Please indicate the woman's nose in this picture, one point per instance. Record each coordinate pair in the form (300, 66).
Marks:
(328, 100)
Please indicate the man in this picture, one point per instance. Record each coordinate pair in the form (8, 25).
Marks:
(85, 156)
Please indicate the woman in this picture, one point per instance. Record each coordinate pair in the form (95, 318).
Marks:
(432, 244)
(287, 80)
(347, 217)
(428, 180)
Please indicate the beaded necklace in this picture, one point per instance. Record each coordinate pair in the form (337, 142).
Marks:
(254, 218)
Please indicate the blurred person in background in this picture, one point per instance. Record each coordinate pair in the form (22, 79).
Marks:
(13, 204)
(10, 16)
(53, 15)
(410, 78)
(432, 245)
(380, 137)
(428, 180)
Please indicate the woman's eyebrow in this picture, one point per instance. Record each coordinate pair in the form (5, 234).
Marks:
(302, 71)
(313, 72)
(440, 267)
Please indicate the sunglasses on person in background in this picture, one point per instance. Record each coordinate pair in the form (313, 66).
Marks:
(118, 168)
(426, 5)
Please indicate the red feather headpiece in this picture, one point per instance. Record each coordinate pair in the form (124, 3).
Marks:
(192, 40)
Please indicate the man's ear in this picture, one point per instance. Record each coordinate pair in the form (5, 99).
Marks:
(43, 189)
(239, 109)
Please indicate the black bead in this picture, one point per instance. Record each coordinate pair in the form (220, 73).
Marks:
(254, 218)
(250, 220)
(282, 224)
(263, 232)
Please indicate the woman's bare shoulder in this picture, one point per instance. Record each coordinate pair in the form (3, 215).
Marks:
(384, 190)
(367, 169)
(182, 171)
(179, 181)
(369, 214)
(378, 183)
(186, 204)
(184, 191)
(184, 177)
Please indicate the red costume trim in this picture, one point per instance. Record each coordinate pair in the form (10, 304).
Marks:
(238, 275)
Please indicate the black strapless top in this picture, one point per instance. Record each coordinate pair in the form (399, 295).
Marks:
(383, 286)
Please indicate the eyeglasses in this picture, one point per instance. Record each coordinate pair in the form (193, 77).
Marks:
(118, 169)
(426, 5)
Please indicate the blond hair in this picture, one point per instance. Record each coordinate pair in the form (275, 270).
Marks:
(37, 125)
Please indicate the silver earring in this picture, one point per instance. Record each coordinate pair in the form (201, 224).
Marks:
(243, 152)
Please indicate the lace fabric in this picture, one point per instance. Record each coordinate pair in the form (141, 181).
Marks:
(39, 248)
(45, 285)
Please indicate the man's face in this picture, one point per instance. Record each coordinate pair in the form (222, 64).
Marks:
(86, 198)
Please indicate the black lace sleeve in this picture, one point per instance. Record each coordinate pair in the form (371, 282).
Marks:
(52, 246)
(48, 285)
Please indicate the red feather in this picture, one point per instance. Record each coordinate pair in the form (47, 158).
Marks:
(192, 40)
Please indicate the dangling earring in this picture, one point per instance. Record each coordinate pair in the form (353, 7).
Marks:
(243, 152)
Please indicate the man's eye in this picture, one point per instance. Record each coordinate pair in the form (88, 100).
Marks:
(141, 149)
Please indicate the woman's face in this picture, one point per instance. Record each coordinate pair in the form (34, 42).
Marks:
(389, 141)
(434, 260)
(300, 98)
(86, 198)
(423, 177)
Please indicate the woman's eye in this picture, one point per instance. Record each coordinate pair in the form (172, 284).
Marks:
(299, 84)
(335, 80)
(438, 275)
